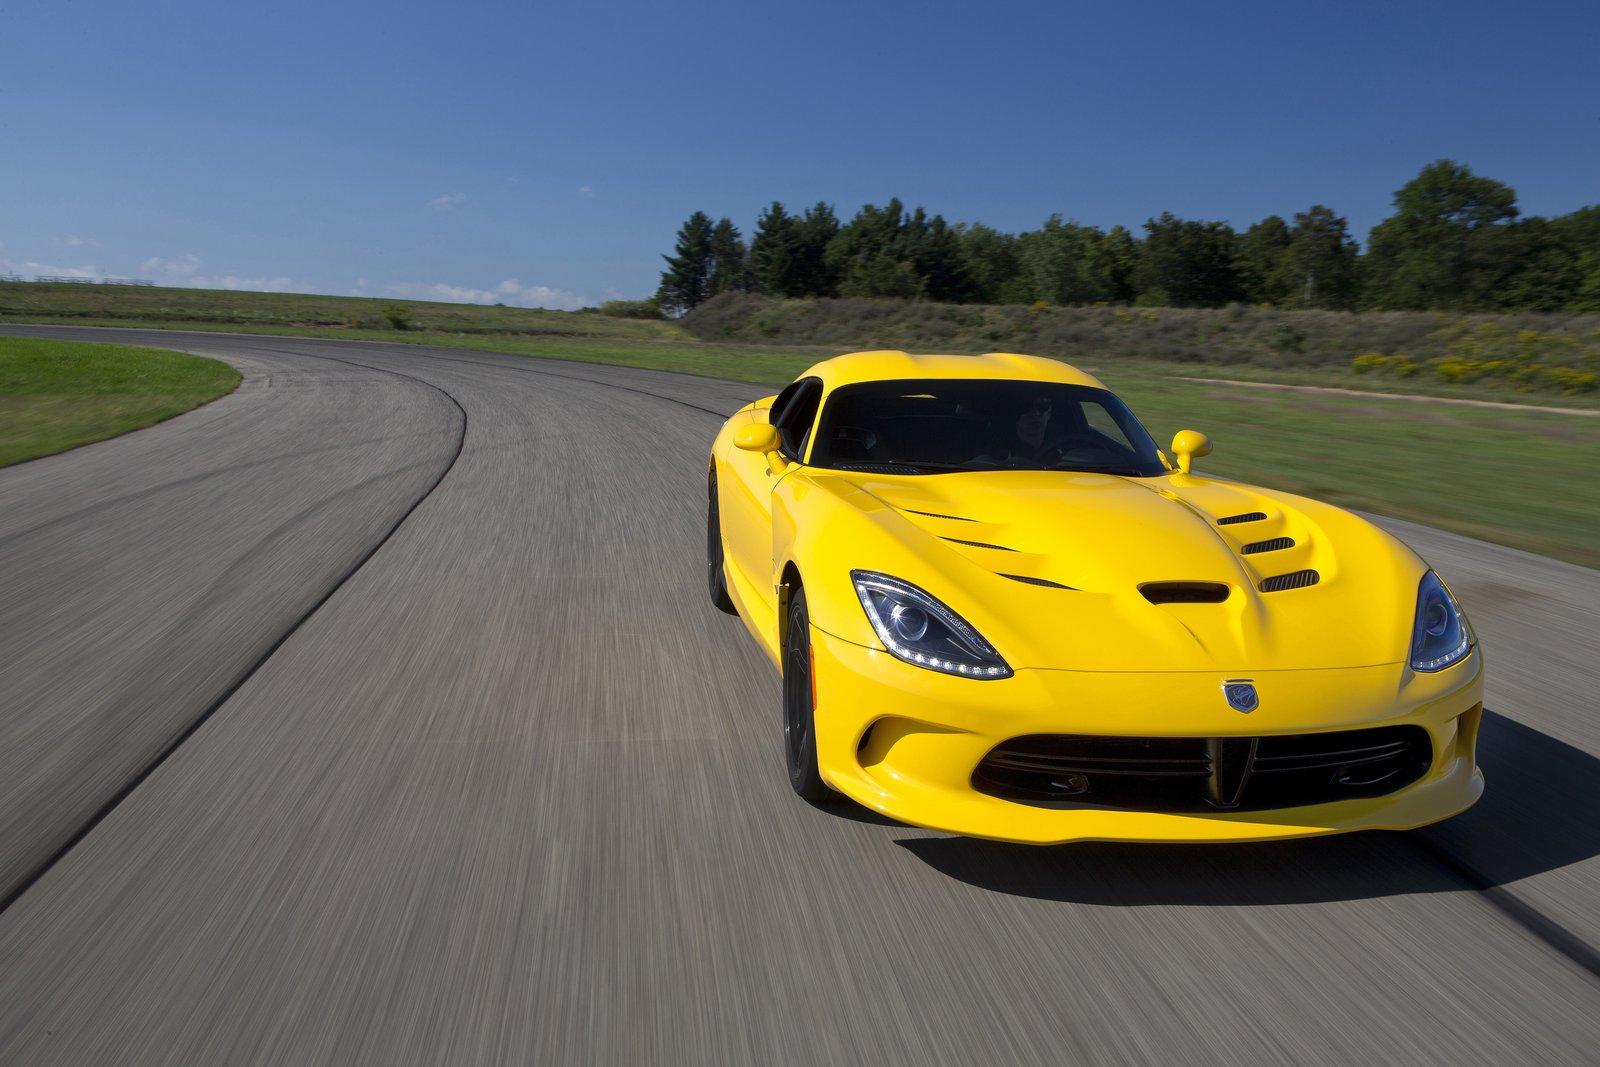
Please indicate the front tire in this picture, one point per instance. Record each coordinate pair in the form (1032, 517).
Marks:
(716, 575)
(799, 708)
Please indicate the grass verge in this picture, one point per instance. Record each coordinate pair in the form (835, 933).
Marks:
(56, 395)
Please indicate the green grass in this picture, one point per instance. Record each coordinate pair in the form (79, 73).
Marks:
(1517, 478)
(123, 305)
(56, 395)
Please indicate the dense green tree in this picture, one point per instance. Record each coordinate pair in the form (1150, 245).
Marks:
(818, 226)
(933, 249)
(775, 265)
(1549, 262)
(687, 280)
(1186, 263)
(881, 276)
(730, 268)
(1262, 260)
(1441, 248)
(991, 265)
(873, 232)
(1322, 259)
(1060, 261)
(1117, 264)
(1454, 241)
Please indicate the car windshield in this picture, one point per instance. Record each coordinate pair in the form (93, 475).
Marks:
(937, 426)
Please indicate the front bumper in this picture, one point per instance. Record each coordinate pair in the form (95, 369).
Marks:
(904, 741)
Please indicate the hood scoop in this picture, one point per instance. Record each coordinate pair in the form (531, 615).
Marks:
(1184, 592)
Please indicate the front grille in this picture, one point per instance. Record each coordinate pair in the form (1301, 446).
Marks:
(1185, 774)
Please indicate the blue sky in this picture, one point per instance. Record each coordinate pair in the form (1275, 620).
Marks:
(545, 154)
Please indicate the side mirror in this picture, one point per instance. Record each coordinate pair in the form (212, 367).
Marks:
(1188, 446)
(757, 437)
(763, 439)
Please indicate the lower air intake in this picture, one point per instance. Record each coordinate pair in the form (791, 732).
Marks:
(1187, 774)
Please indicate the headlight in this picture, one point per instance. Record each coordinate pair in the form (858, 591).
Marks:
(918, 629)
(1441, 635)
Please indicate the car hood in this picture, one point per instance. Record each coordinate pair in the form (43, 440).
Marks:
(1101, 572)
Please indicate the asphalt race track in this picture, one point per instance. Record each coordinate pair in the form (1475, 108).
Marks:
(376, 713)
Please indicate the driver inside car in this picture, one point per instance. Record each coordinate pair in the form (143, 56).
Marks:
(1031, 436)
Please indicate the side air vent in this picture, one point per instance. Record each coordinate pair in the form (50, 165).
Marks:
(979, 544)
(1277, 544)
(1293, 580)
(1249, 516)
(936, 515)
(1184, 592)
(1024, 579)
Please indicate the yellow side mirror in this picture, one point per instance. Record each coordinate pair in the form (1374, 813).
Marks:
(757, 437)
(762, 437)
(1188, 446)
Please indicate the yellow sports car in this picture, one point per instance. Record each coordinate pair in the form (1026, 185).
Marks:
(1000, 610)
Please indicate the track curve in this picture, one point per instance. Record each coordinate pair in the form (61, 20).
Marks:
(503, 787)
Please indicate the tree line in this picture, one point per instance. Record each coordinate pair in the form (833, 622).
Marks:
(1455, 241)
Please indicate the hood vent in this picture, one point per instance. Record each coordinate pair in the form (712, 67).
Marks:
(1184, 592)
(978, 544)
(1277, 544)
(1047, 583)
(1249, 516)
(1293, 580)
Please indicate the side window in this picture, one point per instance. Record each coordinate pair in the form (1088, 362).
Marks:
(794, 412)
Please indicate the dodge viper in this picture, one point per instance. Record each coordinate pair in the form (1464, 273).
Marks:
(1000, 610)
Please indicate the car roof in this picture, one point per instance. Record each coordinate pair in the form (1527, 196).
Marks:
(891, 365)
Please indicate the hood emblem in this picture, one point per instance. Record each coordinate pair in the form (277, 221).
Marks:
(1240, 694)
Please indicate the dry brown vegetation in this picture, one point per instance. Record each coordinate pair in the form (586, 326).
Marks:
(1433, 344)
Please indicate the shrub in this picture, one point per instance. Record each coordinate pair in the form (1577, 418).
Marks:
(1369, 361)
(1518, 350)
(631, 309)
(1571, 380)
(398, 317)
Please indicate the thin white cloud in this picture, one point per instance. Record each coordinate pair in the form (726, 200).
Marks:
(73, 240)
(32, 268)
(279, 284)
(510, 291)
(584, 190)
(184, 272)
(447, 201)
(182, 266)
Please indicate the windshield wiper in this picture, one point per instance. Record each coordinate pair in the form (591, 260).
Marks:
(1126, 472)
(880, 466)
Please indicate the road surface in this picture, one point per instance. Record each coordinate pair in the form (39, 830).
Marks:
(375, 713)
